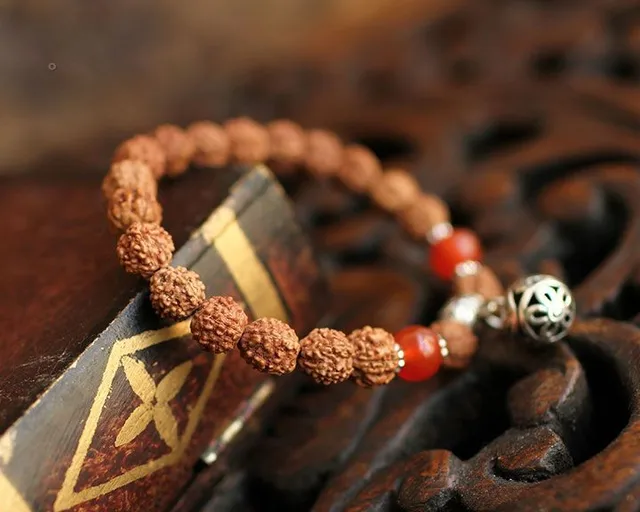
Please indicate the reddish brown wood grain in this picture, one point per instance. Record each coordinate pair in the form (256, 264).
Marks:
(525, 118)
(57, 252)
(120, 421)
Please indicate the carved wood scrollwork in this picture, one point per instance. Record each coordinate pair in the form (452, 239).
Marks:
(551, 456)
(526, 119)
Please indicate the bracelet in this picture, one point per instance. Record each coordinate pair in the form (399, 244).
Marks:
(539, 307)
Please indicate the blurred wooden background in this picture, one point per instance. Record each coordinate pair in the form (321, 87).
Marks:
(73, 74)
(523, 114)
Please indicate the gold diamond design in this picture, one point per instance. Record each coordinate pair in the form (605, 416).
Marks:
(154, 408)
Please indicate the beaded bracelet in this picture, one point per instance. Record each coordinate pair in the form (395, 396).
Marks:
(540, 307)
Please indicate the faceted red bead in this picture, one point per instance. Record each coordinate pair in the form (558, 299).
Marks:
(463, 245)
(422, 356)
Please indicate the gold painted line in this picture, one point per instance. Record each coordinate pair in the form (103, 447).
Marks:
(216, 223)
(154, 465)
(12, 501)
(222, 230)
(219, 219)
(121, 348)
(264, 170)
(250, 275)
(67, 497)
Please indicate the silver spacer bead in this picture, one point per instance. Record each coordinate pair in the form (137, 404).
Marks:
(401, 361)
(444, 348)
(468, 268)
(494, 312)
(439, 232)
(464, 309)
(540, 307)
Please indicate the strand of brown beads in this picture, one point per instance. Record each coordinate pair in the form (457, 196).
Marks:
(370, 356)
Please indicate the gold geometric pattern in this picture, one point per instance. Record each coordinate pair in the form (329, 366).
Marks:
(155, 402)
(11, 499)
(154, 407)
(223, 231)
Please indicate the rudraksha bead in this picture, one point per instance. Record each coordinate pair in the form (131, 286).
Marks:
(218, 324)
(422, 355)
(270, 346)
(483, 282)
(176, 292)
(128, 206)
(130, 175)
(146, 149)
(211, 142)
(326, 355)
(371, 356)
(465, 285)
(249, 140)
(178, 148)
(324, 153)
(446, 254)
(375, 361)
(462, 343)
(288, 144)
(360, 168)
(395, 190)
(144, 248)
(425, 212)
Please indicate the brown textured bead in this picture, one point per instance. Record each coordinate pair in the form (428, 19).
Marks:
(425, 212)
(130, 175)
(484, 282)
(176, 292)
(144, 248)
(270, 346)
(326, 355)
(462, 343)
(360, 168)
(395, 191)
(128, 206)
(487, 283)
(178, 148)
(146, 149)
(324, 153)
(218, 324)
(211, 142)
(465, 285)
(376, 360)
(249, 140)
(288, 144)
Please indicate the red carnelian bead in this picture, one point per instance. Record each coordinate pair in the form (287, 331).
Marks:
(422, 356)
(445, 255)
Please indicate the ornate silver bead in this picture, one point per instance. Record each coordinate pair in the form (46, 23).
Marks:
(539, 306)
(463, 309)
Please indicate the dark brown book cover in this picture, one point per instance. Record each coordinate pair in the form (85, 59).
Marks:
(122, 425)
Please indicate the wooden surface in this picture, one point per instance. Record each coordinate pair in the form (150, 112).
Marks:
(60, 270)
(525, 117)
(112, 408)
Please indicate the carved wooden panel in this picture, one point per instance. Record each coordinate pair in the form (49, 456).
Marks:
(525, 116)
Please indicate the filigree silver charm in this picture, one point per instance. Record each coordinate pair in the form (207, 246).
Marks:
(539, 306)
